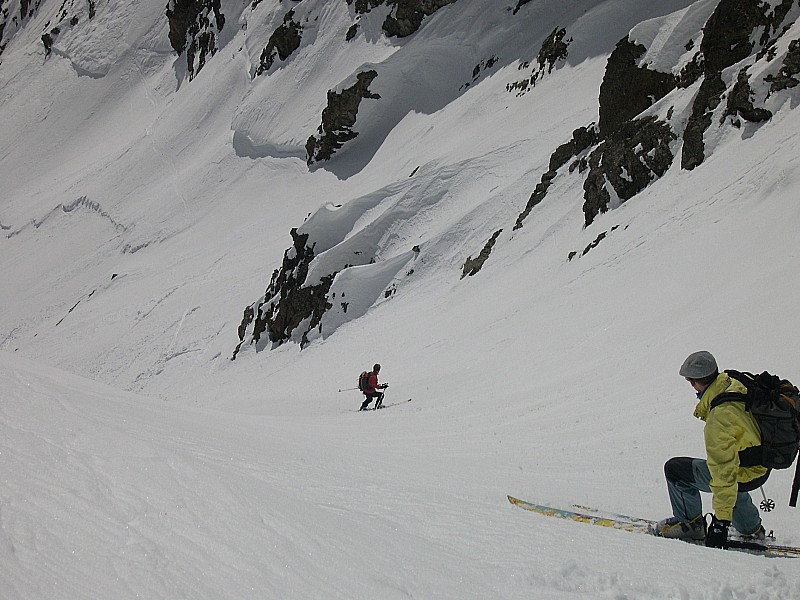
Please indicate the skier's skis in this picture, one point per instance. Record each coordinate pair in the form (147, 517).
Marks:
(394, 404)
(613, 515)
(582, 517)
(382, 406)
(639, 525)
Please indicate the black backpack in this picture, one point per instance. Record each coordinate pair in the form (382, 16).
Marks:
(774, 403)
(363, 381)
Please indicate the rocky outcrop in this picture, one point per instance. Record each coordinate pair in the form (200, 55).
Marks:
(727, 39)
(283, 42)
(10, 22)
(630, 150)
(625, 161)
(473, 265)
(481, 67)
(637, 153)
(740, 103)
(773, 28)
(520, 4)
(339, 117)
(708, 98)
(628, 89)
(595, 243)
(287, 302)
(729, 32)
(554, 49)
(406, 16)
(68, 16)
(193, 28)
(785, 78)
(362, 7)
(582, 139)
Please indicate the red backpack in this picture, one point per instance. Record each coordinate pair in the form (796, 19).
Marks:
(363, 381)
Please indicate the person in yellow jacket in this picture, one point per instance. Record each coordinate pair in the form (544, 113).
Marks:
(729, 429)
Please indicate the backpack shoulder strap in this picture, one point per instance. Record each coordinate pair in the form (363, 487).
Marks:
(741, 376)
(728, 397)
(746, 379)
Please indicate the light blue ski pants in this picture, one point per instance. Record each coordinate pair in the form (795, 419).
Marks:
(687, 477)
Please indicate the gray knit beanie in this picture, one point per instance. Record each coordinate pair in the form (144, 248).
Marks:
(698, 365)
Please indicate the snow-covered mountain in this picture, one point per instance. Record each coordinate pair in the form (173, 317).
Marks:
(529, 212)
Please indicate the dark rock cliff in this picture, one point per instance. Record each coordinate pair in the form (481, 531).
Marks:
(287, 302)
(628, 89)
(633, 156)
(193, 28)
(727, 39)
(406, 16)
(473, 265)
(70, 14)
(785, 77)
(339, 117)
(633, 151)
(409, 14)
(283, 42)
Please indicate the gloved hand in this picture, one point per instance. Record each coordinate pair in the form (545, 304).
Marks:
(717, 534)
(384, 386)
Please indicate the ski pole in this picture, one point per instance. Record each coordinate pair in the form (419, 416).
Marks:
(795, 486)
(768, 503)
(348, 390)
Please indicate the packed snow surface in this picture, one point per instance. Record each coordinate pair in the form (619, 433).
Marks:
(141, 213)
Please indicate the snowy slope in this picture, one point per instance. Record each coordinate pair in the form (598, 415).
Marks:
(142, 212)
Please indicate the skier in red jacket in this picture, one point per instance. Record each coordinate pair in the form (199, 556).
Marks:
(371, 389)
